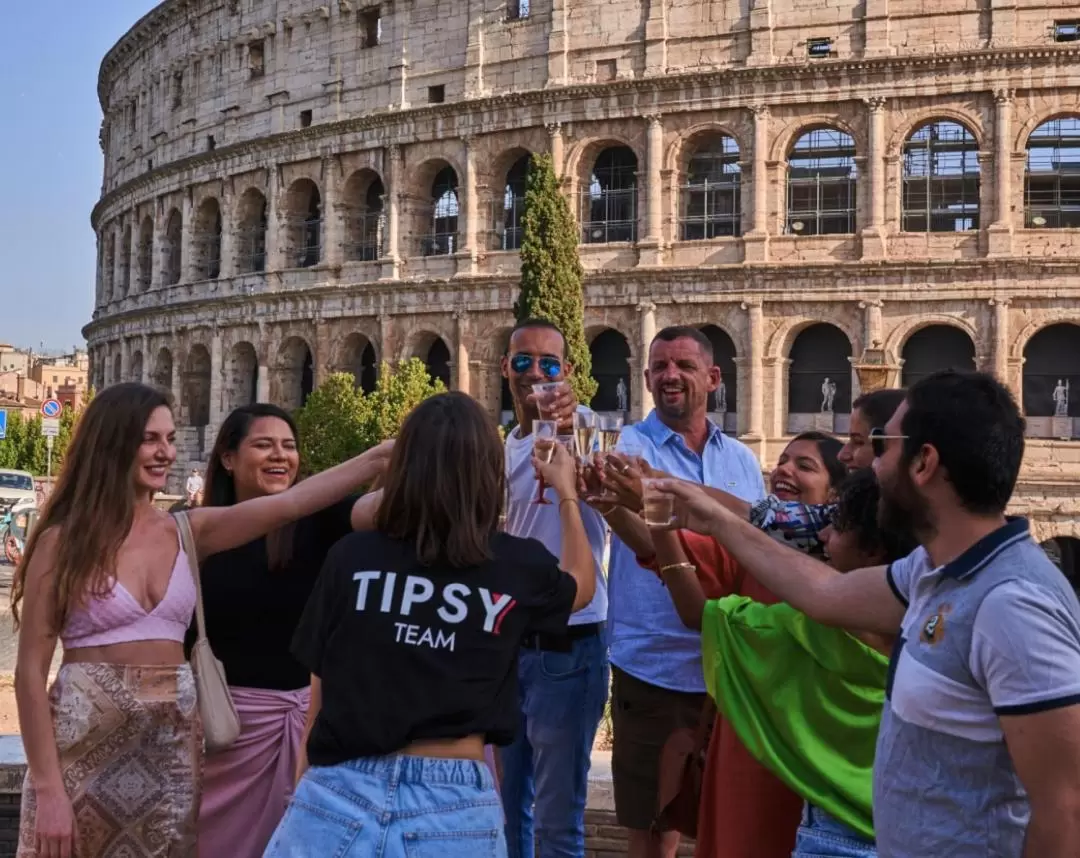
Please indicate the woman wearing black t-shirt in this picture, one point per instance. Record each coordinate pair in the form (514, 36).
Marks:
(254, 596)
(412, 637)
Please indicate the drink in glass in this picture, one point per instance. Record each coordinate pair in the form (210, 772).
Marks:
(545, 435)
(610, 427)
(659, 508)
(585, 430)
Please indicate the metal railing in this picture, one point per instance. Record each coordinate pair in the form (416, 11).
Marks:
(710, 210)
(365, 236)
(609, 215)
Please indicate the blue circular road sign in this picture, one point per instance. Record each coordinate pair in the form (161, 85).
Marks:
(51, 408)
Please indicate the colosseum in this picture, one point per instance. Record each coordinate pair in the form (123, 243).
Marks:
(843, 194)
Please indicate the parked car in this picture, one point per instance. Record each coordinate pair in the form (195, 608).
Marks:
(17, 486)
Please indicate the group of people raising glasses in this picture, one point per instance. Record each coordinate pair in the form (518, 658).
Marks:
(925, 702)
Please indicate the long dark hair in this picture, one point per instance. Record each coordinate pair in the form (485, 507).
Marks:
(220, 486)
(829, 448)
(445, 483)
(92, 506)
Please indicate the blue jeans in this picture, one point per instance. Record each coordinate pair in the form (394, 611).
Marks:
(822, 836)
(562, 702)
(393, 807)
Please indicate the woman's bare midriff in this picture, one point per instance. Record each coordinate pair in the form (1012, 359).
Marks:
(135, 653)
(468, 748)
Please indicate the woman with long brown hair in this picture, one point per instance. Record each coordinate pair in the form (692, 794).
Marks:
(412, 637)
(115, 746)
(253, 597)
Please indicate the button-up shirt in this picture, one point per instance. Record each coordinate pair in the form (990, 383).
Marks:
(648, 640)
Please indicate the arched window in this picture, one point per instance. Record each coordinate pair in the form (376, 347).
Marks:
(936, 348)
(357, 358)
(821, 183)
(610, 355)
(207, 240)
(195, 401)
(365, 219)
(251, 235)
(294, 374)
(163, 369)
(145, 261)
(508, 227)
(724, 403)
(125, 262)
(172, 249)
(108, 266)
(609, 204)
(1052, 382)
(438, 362)
(305, 224)
(941, 179)
(1052, 181)
(819, 382)
(241, 376)
(442, 240)
(710, 202)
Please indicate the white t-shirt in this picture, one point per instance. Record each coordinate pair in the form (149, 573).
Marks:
(194, 484)
(541, 522)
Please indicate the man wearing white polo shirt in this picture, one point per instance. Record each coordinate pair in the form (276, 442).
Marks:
(563, 678)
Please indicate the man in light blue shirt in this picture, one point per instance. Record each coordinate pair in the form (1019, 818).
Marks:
(656, 660)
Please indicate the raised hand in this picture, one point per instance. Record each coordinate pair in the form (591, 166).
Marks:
(560, 473)
(621, 476)
(694, 509)
(560, 407)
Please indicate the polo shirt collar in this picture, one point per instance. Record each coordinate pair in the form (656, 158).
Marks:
(986, 549)
(661, 433)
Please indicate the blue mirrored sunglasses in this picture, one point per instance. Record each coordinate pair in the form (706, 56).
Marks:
(549, 366)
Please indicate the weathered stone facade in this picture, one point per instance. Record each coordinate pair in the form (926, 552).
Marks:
(295, 187)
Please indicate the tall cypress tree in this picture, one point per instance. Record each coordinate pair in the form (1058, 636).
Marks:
(551, 272)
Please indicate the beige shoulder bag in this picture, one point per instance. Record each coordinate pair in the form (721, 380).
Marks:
(221, 723)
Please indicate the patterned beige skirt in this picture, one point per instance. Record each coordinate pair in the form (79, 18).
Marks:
(131, 753)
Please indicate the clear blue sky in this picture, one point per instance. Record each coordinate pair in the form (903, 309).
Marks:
(49, 156)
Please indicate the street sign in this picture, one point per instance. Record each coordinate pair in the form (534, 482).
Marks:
(51, 408)
(3, 424)
(50, 427)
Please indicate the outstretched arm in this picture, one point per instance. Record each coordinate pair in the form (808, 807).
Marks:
(859, 600)
(220, 528)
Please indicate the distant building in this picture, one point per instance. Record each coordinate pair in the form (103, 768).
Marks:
(14, 359)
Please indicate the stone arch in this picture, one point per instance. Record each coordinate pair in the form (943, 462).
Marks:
(1051, 177)
(163, 369)
(936, 347)
(108, 265)
(365, 217)
(709, 182)
(124, 286)
(726, 399)
(206, 240)
(435, 353)
(359, 358)
(172, 249)
(252, 218)
(144, 258)
(898, 336)
(783, 338)
(1022, 136)
(820, 354)
(1051, 356)
(195, 393)
(117, 368)
(821, 184)
(608, 210)
(610, 353)
(303, 224)
(294, 373)
(136, 366)
(797, 128)
(241, 376)
(928, 115)
(940, 178)
(583, 154)
(510, 174)
(1054, 317)
(678, 154)
(436, 207)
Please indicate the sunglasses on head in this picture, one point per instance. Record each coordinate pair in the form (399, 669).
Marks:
(549, 366)
(878, 439)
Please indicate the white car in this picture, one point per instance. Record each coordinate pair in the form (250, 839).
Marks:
(17, 486)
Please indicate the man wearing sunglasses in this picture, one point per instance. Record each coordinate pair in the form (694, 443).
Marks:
(563, 679)
(979, 745)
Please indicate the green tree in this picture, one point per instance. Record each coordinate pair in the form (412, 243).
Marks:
(339, 421)
(551, 272)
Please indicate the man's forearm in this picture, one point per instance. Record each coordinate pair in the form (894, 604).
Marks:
(789, 574)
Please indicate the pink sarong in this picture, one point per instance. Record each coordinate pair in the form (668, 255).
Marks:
(246, 788)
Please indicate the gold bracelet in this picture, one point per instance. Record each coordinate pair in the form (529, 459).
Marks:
(567, 500)
(678, 567)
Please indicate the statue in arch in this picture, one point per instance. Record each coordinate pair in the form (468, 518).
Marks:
(1061, 398)
(721, 398)
(828, 395)
(622, 399)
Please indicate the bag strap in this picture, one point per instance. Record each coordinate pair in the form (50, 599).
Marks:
(187, 542)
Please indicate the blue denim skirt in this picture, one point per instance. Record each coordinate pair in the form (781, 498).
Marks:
(393, 807)
(822, 836)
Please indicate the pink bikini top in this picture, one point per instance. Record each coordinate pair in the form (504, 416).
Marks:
(119, 618)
